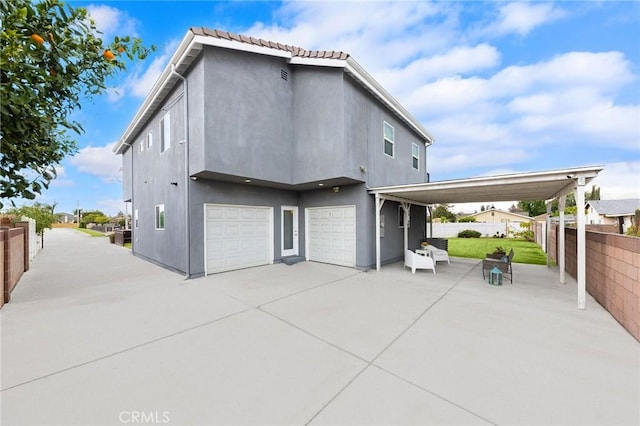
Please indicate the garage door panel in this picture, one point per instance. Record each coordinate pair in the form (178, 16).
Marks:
(331, 235)
(238, 237)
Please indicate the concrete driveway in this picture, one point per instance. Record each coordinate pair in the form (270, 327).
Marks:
(94, 335)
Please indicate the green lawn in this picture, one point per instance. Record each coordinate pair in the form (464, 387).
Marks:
(477, 248)
(91, 232)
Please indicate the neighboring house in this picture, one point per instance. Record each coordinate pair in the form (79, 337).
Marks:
(500, 216)
(613, 212)
(65, 218)
(249, 152)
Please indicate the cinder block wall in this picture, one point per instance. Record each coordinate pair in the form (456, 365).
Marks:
(2, 267)
(612, 273)
(14, 259)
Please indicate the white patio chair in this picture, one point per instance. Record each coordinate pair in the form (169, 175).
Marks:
(438, 254)
(415, 261)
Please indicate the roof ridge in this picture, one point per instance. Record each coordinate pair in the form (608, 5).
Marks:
(294, 50)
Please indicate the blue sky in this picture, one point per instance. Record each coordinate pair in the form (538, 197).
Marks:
(503, 86)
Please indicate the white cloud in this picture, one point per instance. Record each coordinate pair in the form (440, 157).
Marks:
(98, 161)
(111, 21)
(522, 18)
(619, 180)
(111, 206)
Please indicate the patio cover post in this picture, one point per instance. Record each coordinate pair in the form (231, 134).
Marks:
(379, 203)
(405, 209)
(581, 252)
(548, 233)
(560, 241)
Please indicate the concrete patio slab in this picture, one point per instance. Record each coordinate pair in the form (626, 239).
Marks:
(247, 369)
(523, 354)
(377, 397)
(365, 313)
(94, 335)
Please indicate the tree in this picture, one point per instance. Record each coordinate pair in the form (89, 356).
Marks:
(93, 216)
(533, 207)
(442, 211)
(41, 213)
(51, 59)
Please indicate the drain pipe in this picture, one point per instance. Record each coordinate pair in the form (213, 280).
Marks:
(187, 180)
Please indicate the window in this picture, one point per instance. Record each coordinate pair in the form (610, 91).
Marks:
(415, 155)
(165, 133)
(141, 146)
(160, 216)
(135, 218)
(389, 139)
(401, 218)
(149, 140)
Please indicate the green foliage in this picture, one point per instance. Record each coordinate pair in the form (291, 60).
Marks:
(533, 207)
(51, 59)
(41, 213)
(93, 216)
(526, 232)
(634, 230)
(443, 213)
(469, 233)
(467, 219)
(499, 250)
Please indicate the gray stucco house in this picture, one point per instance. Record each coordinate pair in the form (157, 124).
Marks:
(247, 152)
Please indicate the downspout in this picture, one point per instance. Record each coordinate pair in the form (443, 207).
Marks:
(187, 180)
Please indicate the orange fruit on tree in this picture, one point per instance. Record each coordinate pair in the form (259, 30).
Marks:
(37, 38)
(120, 49)
(109, 55)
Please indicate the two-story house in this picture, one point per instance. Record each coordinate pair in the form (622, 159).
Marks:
(248, 152)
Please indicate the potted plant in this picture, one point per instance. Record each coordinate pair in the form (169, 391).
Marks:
(498, 253)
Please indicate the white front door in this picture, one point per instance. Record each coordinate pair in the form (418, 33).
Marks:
(289, 231)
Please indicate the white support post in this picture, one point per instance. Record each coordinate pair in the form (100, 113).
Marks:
(548, 233)
(379, 203)
(581, 253)
(406, 209)
(560, 240)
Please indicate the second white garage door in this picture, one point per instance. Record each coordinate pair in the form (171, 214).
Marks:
(331, 235)
(237, 237)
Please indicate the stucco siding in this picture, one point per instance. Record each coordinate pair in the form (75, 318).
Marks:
(365, 116)
(318, 123)
(247, 113)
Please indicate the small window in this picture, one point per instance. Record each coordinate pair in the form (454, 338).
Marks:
(135, 218)
(160, 216)
(401, 218)
(149, 140)
(389, 139)
(415, 156)
(141, 146)
(165, 133)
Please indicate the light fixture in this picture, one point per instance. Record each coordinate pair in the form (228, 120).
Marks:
(247, 180)
(363, 169)
(336, 189)
(321, 184)
(194, 178)
(174, 183)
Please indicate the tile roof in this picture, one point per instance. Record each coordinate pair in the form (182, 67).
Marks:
(294, 50)
(616, 207)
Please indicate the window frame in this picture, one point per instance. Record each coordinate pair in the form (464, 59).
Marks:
(159, 217)
(390, 141)
(165, 132)
(135, 218)
(415, 159)
(150, 140)
(401, 217)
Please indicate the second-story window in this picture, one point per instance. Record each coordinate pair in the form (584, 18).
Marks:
(149, 140)
(165, 133)
(159, 216)
(415, 156)
(389, 139)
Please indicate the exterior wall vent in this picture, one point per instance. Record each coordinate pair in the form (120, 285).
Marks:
(284, 75)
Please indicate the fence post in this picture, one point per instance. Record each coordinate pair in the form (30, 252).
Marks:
(25, 234)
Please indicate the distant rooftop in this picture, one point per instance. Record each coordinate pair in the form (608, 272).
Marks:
(616, 207)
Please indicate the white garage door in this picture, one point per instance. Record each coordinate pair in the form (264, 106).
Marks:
(331, 235)
(237, 237)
